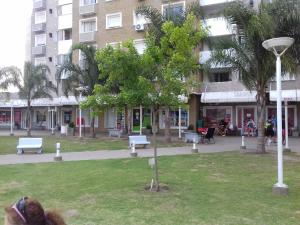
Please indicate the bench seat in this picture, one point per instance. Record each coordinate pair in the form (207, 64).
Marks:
(138, 140)
(30, 143)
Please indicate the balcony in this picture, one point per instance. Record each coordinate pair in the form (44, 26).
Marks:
(38, 28)
(39, 50)
(39, 5)
(218, 27)
(87, 10)
(206, 55)
(65, 22)
(88, 37)
(213, 2)
(64, 47)
(64, 2)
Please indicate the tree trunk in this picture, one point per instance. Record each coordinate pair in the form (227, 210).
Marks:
(167, 125)
(155, 129)
(93, 132)
(129, 130)
(28, 119)
(261, 113)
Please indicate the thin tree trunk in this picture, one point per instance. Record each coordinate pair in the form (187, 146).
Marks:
(155, 129)
(167, 125)
(129, 130)
(261, 113)
(93, 127)
(28, 119)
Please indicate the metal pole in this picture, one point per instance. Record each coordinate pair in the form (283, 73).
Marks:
(286, 113)
(179, 122)
(141, 119)
(80, 115)
(279, 123)
(52, 121)
(11, 121)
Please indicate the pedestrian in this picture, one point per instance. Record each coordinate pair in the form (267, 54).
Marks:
(28, 211)
(269, 131)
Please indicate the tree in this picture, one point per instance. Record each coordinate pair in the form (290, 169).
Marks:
(157, 20)
(34, 84)
(72, 76)
(245, 54)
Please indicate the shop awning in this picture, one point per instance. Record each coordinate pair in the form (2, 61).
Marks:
(287, 95)
(228, 97)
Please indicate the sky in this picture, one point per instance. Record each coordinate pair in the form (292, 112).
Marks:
(13, 23)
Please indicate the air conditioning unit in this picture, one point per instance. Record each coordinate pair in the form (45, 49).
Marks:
(139, 27)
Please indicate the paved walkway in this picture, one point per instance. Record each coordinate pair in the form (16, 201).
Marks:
(223, 144)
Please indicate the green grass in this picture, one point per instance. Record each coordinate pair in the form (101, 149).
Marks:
(221, 188)
(74, 144)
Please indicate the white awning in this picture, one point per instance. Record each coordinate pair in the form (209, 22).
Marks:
(228, 97)
(41, 102)
(287, 95)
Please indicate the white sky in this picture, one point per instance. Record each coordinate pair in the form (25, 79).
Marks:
(13, 24)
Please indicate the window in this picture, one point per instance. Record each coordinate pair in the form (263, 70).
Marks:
(88, 25)
(87, 2)
(39, 60)
(50, 11)
(139, 19)
(173, 11)
(65, 34)
(220, 77)
(115, 45)
(140, 46)
(215, 114)
(65, 10)
(50, 59)
(86, 118)
(174, 118)
(113, 20)
(40, 39)
(40, 17)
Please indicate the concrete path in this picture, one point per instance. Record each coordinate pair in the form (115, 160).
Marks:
(223, 144)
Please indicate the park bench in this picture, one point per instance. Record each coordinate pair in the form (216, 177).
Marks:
(138, 140)
(190, 137)
(29, 144)
(114, 133)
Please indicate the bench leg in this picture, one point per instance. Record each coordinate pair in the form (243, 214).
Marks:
(20, 151)
(40, 151)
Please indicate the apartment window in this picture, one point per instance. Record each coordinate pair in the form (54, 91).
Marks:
(50, 11)
(39, 60)
(65, 10)
(140, 46)
(88, 25)
(65, 34)
(139, 19)
(113, 20)
(172, 11)
(50, 35)
(40, 39)
(220, 77)
(50, 59)
(40, 17)
(61, 59)
(88, 2)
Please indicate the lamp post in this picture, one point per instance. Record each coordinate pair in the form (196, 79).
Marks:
(279, 46)
(81, 89)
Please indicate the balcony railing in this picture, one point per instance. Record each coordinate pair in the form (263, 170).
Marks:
(206, 55)
(213, 2)
(87, 10)
(39, 50)
(218, 27)
(40, 27)
(88, 37)
(38, 5)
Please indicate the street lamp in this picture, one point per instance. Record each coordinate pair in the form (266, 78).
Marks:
(279, 46)
(81, 89)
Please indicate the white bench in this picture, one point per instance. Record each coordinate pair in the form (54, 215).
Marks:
(30, 143)
(190, 137)
(114, 133)
(138, 140)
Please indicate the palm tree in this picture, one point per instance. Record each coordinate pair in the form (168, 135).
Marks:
(245, 54)
(33, 85)
(86, 75)
(157, 19)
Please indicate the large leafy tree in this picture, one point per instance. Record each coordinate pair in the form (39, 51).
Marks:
(245, 54)
(32, 85)
(72, 75)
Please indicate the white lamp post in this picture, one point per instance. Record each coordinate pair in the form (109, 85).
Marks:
(80, 89)
(278, 46)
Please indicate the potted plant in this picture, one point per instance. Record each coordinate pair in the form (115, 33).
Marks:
(71, 128)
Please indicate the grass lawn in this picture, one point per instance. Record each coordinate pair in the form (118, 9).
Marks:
(220, 188)
(8, 144)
